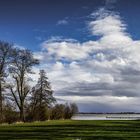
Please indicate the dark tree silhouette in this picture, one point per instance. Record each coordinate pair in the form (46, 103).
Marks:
(42, 95)
(21, 64)
(16, 64)
(5, 49)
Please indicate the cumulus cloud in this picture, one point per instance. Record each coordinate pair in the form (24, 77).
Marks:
(110, 27)
(104, 71)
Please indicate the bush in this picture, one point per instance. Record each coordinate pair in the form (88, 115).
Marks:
(63, 111)
(10, 115)
(57, 112)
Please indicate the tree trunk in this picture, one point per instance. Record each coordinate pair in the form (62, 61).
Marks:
(22, 118)
(1, 110)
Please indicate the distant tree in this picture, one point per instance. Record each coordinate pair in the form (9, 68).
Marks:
(21, 65)
(67, 111)
(58, 112)
(70, 110)
(5, 49)
(63, 111)
(42, 96)
(74, 109)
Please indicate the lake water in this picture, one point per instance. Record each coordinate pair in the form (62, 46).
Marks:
(106, 117)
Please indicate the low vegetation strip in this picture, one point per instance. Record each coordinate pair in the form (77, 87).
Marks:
(72, 130)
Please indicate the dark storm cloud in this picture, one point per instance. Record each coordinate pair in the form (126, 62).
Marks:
(105, 108)
(117, 89)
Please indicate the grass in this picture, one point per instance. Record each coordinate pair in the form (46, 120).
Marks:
(72, 130)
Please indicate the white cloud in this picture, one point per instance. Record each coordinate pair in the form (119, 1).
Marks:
(110, 27)
(66, 49)
(59, 39)
(38, 55)
(107, 67)
(62, 22)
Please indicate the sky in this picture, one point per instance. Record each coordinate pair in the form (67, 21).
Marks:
(89, 48)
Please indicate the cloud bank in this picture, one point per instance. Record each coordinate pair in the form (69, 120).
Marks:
(99, 75)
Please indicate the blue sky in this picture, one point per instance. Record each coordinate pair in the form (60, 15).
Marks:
(89, 48)
(30, 22)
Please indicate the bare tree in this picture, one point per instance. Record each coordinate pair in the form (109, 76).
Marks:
(74, 108)
(5, 49)
(21, 64)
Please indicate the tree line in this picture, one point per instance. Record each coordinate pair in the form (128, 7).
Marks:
(19, 101)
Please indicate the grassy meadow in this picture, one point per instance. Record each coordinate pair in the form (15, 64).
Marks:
(72, 130)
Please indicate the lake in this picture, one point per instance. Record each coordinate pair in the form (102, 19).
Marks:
(107, 116)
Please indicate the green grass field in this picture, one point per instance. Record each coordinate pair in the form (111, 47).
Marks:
(72, 130)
